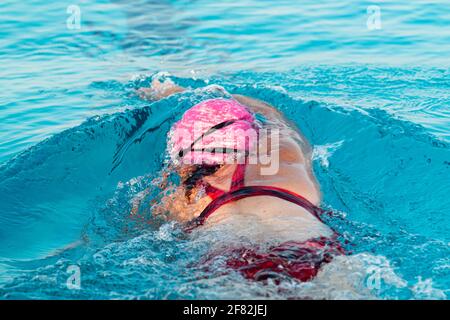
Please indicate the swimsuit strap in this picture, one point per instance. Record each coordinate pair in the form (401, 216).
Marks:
(237, 181)
(253, 191)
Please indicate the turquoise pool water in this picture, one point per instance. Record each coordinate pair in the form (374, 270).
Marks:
(76, 144)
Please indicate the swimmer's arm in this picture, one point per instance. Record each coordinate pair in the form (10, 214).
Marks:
(159, 90)
(137, 200)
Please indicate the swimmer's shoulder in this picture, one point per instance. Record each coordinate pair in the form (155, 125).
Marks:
(257, 106)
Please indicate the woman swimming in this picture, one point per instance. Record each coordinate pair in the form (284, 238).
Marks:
(215, 149)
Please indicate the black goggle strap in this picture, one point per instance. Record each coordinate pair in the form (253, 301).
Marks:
(211, 130)
(222, 150)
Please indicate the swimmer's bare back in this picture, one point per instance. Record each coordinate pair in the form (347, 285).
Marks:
(277, 218)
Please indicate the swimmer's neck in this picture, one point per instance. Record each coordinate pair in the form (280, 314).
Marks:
(222, 178)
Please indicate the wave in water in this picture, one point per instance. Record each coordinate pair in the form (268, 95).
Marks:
(385, 177)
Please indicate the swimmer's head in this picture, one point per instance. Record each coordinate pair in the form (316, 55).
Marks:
(212, 132)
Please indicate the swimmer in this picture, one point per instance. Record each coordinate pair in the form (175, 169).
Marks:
(221, 185)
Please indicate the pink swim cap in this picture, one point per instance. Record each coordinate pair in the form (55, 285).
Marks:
(208, 131)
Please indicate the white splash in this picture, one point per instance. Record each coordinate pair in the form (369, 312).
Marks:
(359, 276)
(165, 232)
(324, 152)
(278, 89)
(424, 290)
